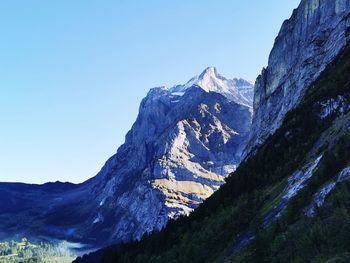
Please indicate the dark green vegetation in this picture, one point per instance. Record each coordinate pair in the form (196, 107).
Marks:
(211, 232)
(24, 251)
(297, 238)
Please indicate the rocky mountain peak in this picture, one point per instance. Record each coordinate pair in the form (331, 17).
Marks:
(184, 142)
(237, 90)
(186, 139)
(209, 73)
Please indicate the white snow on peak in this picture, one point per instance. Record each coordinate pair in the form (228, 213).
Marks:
(237, 90)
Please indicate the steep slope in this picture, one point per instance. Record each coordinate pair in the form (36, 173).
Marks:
(185, 141)
(305, 45)
(287, 203)
(286, 200)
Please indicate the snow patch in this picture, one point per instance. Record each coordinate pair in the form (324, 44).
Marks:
(98, 219)
(178, 93)
(321, 195)
(296, 182)
(237, 90)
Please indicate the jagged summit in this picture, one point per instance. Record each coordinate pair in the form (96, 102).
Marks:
(237, 90)
(209, 71)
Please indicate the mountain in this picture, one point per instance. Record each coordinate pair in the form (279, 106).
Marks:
(289, 199)
(305, 45)
(184, 142)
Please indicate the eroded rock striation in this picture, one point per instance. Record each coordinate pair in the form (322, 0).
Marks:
(307, 42)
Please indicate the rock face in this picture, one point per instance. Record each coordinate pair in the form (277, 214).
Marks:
(184, 142)
(186, 139)
(305, 45)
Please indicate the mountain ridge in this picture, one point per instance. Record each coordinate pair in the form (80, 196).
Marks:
(289, 198)
(287, 202)
(177, 153)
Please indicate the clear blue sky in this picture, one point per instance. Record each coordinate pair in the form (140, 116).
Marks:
(72, 73)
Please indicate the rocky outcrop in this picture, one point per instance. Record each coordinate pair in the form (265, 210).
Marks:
(185, 141)
(305, 45)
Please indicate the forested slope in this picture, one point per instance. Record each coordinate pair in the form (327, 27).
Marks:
(276, 207)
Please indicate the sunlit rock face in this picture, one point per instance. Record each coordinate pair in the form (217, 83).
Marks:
(306, 44)
(185, 141)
